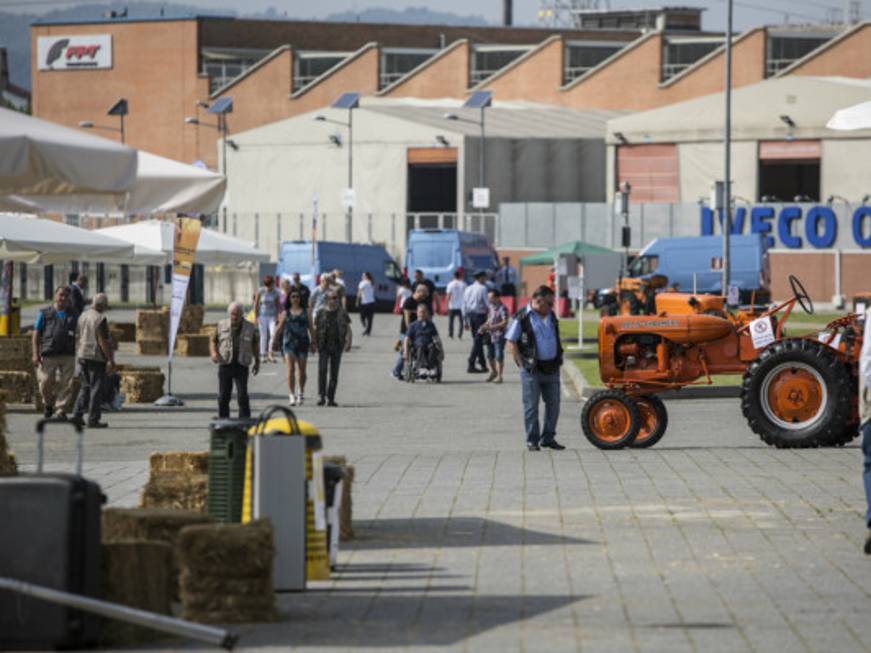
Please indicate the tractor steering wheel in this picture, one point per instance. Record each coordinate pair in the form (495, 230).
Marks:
(801, 295)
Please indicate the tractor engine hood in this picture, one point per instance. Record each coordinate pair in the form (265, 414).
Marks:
(681, 329)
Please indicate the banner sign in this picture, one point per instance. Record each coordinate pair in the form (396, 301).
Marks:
(184, 252)
(797, 227)
(762, 332)
(91, 51)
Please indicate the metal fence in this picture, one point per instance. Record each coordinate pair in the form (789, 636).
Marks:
(544, 225)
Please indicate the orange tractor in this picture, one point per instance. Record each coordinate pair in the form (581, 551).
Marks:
(796, 391)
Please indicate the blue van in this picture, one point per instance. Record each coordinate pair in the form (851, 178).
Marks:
(699, 259)
(351, 258)
(439, 252)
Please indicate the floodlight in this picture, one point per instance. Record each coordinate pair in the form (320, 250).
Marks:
(233, 144)
(336, 140)
(451, 116)
(621, 137)
(786, 120)
(479, 100)
(221, 105)
(442, 140)
(320, 118)
(86, 124)
(350, 100)
(118, 109)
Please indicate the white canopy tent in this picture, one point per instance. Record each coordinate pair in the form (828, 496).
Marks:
(161, 186)
(213, 248)
(38, 157)
(40, 241)
(857, 116)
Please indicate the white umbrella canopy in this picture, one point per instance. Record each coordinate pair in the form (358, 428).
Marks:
(213, 247)
(40, 241)
(161, 186)
(38, 157)
(856, 117)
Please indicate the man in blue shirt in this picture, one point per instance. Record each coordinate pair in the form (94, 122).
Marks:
(475, 309)
(865, 419)
(54, 348)
(535, 345)
(419, 340)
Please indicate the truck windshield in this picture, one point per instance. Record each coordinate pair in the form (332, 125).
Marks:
(643, 265)
(432, 254)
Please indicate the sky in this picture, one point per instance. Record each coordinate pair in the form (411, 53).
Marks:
(747, 12)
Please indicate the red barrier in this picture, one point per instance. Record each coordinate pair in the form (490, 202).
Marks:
(441, 304)
(565, 307)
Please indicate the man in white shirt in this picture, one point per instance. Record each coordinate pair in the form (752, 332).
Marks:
(475, 315)
(455, 291)
(505, 279)
(865, 418)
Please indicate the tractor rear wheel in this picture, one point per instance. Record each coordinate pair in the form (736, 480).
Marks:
(797, 393)
(654, 421)
(611, 419)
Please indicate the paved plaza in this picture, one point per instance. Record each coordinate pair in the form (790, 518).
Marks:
(711, 541)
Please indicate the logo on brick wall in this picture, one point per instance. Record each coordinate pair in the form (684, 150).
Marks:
(69, 52)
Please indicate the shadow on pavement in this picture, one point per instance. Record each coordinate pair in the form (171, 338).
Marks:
(455, 532)
(354, 621)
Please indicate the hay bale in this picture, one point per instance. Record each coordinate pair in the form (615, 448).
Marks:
(141, 386)
(191, 320)
(152, 324)
(16, 354)
(176, 492)
(152, 346)
(8, 466)
(192, 344)
(226, 572)
(122, 331)
(18, 387)
(136, 573)
(346, 526)
(196, 462)
(152, 524)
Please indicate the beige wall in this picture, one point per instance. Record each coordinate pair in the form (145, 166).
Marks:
(846, 168)
(700, 164)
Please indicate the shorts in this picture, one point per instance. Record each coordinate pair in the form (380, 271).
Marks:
(496, 349)
(299, 351)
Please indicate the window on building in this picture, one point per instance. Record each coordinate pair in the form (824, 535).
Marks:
(785, 49)
(487, 60)
(583, 56)
(308, 66)
(789, 171)
(396, 63)
(222, 65)
(678, 54)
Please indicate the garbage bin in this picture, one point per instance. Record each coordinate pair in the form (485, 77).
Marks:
(317, 560)
(228, 443)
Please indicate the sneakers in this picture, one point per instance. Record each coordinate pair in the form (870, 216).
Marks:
(322, 401)
(492, 377)
(97, 425)
(291, 400)
(553, 444)
(299, 399)
(397, 377)
(531, 446)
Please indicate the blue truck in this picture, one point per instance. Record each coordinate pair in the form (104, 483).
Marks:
(440, 252)
(351, 258)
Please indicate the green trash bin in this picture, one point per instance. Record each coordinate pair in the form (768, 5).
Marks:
(227, 447)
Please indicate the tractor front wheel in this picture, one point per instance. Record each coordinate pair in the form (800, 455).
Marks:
(654, 421)
(611, 419)
(797, 393)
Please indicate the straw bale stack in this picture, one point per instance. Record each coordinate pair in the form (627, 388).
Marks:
(226, 572)
(16, 354)
(122, 331)
(192, 344)
(141, 385)
(346, 526)
(152, 346)
(154, 525)
(191, 318)
(136, 573)
(209, 330)
(18, 387)
(152, 323)
(7, 458)
(178, 480)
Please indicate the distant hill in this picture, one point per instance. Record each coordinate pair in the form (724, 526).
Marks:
(15, 28)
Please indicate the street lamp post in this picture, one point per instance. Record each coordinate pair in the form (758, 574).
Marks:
(478, 100)
(349, 101)
(118, 109)
(727, 180)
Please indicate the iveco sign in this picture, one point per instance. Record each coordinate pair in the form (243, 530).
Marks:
(91, 51)
(799, 227)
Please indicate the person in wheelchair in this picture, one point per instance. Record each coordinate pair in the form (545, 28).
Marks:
(422, 346)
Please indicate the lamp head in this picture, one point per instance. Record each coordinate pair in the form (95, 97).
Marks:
(320, 118)
(86, 124)
(451, 116)
(786, 120)
(190, 120)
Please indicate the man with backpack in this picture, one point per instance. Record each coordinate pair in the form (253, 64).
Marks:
(535, 346)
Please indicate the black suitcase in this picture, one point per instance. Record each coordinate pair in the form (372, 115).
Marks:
(50, 536)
